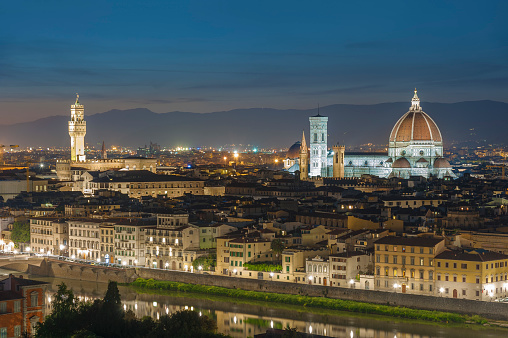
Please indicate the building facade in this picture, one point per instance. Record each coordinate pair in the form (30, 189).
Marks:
(472, 274)
(407, 264)
(84, 239)
(49, 236)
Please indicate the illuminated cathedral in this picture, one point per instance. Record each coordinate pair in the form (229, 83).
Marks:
(415, 149)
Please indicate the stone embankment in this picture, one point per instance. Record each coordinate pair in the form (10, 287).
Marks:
(54, 268)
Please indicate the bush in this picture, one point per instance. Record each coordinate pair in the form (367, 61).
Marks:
(263, 266)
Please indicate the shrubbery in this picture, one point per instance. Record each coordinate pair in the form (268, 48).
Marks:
(263, 266)
(318, 302)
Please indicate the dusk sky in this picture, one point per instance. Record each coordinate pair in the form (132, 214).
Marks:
(205, 56)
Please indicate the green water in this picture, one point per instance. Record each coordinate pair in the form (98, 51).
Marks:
(246, 319)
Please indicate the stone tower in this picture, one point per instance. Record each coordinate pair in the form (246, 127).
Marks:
(304, 159)
(338, 161)
(103, 151)
(77, 131)
(318, 145)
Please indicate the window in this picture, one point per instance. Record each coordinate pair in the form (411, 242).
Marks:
(438, 264)
(463, 266)
(17, 306)
(3, 332)
(3, 307)
(17, 330)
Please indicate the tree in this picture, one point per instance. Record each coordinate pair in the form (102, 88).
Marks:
(64, 319)
(277, 246)
(21, 232)
(206, 262)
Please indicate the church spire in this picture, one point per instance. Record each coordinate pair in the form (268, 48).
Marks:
(304, 159)
(304, 143)
(77, 99)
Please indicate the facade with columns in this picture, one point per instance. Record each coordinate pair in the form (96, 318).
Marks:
(415, 149)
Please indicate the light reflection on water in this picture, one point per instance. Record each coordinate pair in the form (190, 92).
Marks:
(246, 320)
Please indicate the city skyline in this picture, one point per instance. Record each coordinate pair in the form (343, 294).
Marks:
(202, 57)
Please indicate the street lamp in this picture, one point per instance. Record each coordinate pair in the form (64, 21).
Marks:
(352, 283)
(271, 274)
(441, 290)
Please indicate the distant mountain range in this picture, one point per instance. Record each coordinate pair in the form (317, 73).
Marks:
(262, 127)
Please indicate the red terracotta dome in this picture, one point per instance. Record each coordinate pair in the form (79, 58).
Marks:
(442, 163)
(415, 125)
(401, 163)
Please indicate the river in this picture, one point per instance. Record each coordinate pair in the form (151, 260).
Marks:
(239, 319)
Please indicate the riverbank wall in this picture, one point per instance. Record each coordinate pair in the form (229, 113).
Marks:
(493, 310)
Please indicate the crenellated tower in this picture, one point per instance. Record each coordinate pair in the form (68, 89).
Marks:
(77, 131)
(338, 161)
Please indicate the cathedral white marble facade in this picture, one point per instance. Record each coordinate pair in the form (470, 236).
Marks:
(415, 149)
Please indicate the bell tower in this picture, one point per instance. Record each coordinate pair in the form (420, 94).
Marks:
(338, 161)
(77, 131)
(304, 159)
(318, 145)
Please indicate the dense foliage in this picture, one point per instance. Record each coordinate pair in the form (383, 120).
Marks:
(277, 246)
(263, 266)
(21, 232)
(107, 318)
(206, 262)
(318, 302)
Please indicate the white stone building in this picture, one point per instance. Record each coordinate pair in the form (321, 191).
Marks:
(84, 239)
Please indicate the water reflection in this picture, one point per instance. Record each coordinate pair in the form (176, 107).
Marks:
(244, 320)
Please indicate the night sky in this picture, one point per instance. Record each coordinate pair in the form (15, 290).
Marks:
(204, 56)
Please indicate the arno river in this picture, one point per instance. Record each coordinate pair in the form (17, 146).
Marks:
(245, 320)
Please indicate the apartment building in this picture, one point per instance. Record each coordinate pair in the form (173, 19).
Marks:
(130, 237)
(107, 239)
(294, 262)
(21, 306)
(209, 232)
(472, 274)
(49, 236)
(84, 239)
(345, 268)
(172, 248)
(139, 183)
(407, 264)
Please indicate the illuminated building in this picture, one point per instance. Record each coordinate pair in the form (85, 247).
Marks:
(71, 170)
(415, 149)
(77, 131)
(472, 274)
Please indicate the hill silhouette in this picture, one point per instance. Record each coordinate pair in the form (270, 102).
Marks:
(263, 127)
